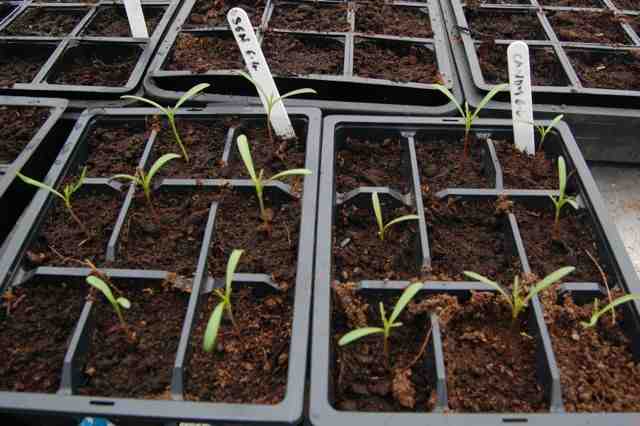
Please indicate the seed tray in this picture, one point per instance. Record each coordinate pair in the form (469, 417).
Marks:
(340, 130)
(67, 406)
(68, 37)
(33, 160)
(595, 114)
(337, 54)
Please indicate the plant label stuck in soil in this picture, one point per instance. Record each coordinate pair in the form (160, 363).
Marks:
(521, 101)
(259, 69)
(136, 19)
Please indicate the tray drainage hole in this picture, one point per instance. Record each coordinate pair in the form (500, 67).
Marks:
(515, 420)
(107, 403)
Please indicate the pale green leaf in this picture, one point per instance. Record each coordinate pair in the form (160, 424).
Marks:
(294, 93)
(123, 302)
(131, 178)
(245, 153)
(554, 122)
(148, 101)
(406, 297)
(292, 172)
(598, 313)
(377, 210)
(211, 332)
(485, 280)
(400, 219)
(572, 202)
(449, 95)
(38, 184)
(232, 264)
(359, 333)
(191, 93)
(255, 84)
(488, 98)
(103, 287)
(160, 162)
(549, 280)
(562, 175)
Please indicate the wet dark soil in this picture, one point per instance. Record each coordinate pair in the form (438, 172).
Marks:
(111, 21)
(44, 22)
(619, 70)
(20, 64)
(308, 17)
(523, 171)
(588, 27)
(298, 55)
(393, 20)
(115, 148)
(486, 24)
(202, 54)
(572, 3)
(213, 13)
(18, 125)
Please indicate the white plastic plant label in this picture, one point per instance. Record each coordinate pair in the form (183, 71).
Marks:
(521, 100)
(259, 70)
(136, 18)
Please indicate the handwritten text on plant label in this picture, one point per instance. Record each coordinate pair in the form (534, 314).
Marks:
(521, 100)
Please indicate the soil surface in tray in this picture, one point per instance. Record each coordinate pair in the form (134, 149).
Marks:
(21, 63)
(18, 125)
(111, 21)
(173, 244)
(44, 22)
(115, 148)
(588, 27)
(377, 161)
(119, 368)
(620, 70)
(608, 378)
(546, 69)
(395, 61)
(442, 165)
(360, 376)
(61, 240)
(289, 55)
(469, 236)
(572, 3)
(502, 25)
(202, 54)
(35, 333)
(576, 237)
(213, 13)
(491, 366)
(308, 17)
(358, 252)
(249, 365)
(393, 20)
(523, 171)
(89, 65)
(627, 4)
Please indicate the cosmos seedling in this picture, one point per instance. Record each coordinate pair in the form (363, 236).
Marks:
(170, 112)
(382, 228)
(144, 179)
(66, 195)
(116, 303)
(544, 131)
(271, 100)
(517, 300)
(258, 179)
(562, 199)
(387, 323)
(597, 313)
(213, 325)
(468, 117)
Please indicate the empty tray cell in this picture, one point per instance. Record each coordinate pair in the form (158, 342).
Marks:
(213, 13)
(300, 55)
(486, 24)
(18, 125)
(395, 61)
(114, 147)
(5, 10)
(573, 3)
(588, 27)
(387, 19)
(546, 69)
(310, 17)
(607, 69)
(19, 63)
(627, 4)
(44, 22)
(91, 64)
(202, 53)
(111, 21)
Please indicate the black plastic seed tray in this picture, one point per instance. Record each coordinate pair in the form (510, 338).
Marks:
(81, 51)
(408, 190)
(18, 269)
(34, 159)
(570, 49)
(339, 39)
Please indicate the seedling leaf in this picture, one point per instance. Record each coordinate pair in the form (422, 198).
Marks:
(295, 93)
(232, 264)
(487, 98)
(489, 282)
(550, 279)
(377, 210)
(38, 184)
(292, 172)
(213, 325)
(449, 95)
(191, 93)
(123, 302)
(148, 101)
(406, 297)
(245, 153)
(359, 333)
(158, 165)
(598, 313)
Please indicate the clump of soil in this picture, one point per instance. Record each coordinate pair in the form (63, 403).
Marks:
(308, 17)
(44, 22)
(18, 125)
(19, 64)
(523, 171)
(395, 61)
(611, 70)
(290, 55)
(486, 24)
(204, 53)
(35, 333)
(588, 27)
(112, 21)
(115, 148)
(393, 20)
(213, 13)
(376, 161)
(156, 315)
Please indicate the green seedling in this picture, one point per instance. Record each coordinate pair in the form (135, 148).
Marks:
(562, 199)
(382, 228)
(213, 325)
(258, 179)
(597, 313)
(466, 114)
(387, 323)
(116, 303)
(144, 179)
(272, 100)
(517, 300)
(66, 195)
(170, 112)
(544, 131)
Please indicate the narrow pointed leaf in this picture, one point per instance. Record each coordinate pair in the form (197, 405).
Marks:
(38, 184)
(619, 301)
(295, 93)
(103, 287)
(554, 122)
(487, 281)
(158, 165)
(562, 175)
(245, 153)
(292, 172)
(449, 95)
(255, 84)
(211, 332)
(406, 297)
(572, 202)
(487, 98)
(401, 219)
(131, 178)
(549, 280)
(191, 93)
(123, 302)
(148, 101)
(358, 333)
(232, 264)
(377, 210)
